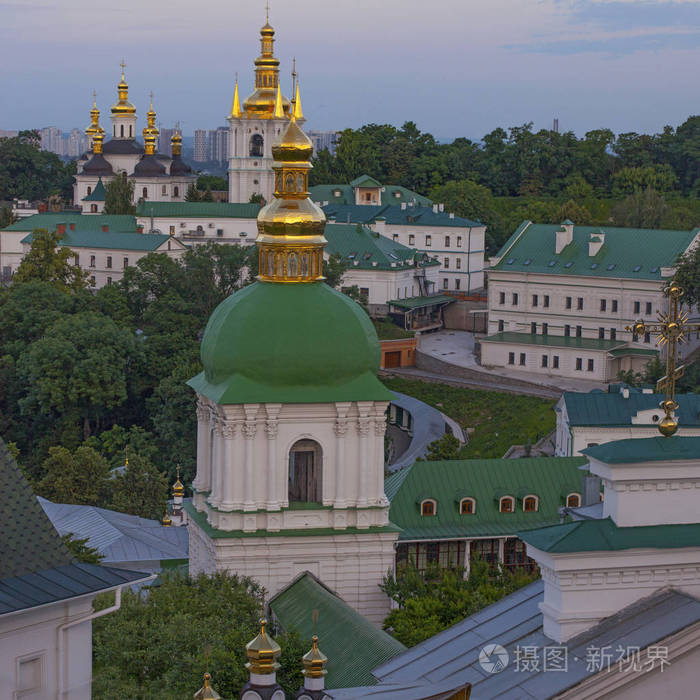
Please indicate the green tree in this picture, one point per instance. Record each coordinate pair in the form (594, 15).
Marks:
(333, 270)
(642, 209)
(212, 182)
(657, 177)
(140, 490)
(445, 447)
(119, 196)
(207, 196)
(687, 276)
(79, 478)
(79, 548)
(257, 198)
(157, 646)
(193, 194)
(6, 216)
(48, 261)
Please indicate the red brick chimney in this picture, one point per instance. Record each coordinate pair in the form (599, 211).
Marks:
(61, 228)
(105, 228)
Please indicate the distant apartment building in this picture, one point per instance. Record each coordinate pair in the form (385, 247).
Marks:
(200, 145)
(164, 141)
(52, 140)
(324, 139)
(72, 144)
(8, 133)
(77, 143)
(218, 144)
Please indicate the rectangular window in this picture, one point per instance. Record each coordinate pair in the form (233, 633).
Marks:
(637, 307)
(459, 263)
(614, 306)
(446, 263)
(555, 362)
(501, 325)
(579, 304)
(601, 334)
(447, 241)
(544, 360)
(545, 328)
(126, 263)
(535, 299)
(546, 301)
(457, 283)
(428, 241)
(92, 261)
(92, 280)
(579, 331)
(515, 299)
(109, 261)
(648, 308)
(172, 230)
(459, 241)
(522, 358)
(109, 280)
(411, 239)
(164, 190)
(501, 297)
(30, 676)
(395, 237)
(364, 292)
(579, 363)
(613, 334)
(647, 337)
(76, 259)
(568, 302)
(567, 330)
(603, 304)
(445, 283)
(511, 358)
(533, 328)
(590, 365)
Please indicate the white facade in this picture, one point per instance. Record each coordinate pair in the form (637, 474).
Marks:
(244, 457)
(196, 229)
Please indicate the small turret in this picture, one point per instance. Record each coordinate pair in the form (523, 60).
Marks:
(262, 653)
(314, 673)
(177, 513)
(206, 692)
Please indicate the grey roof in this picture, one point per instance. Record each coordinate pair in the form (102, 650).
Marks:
(179, 167)
(149, 166)
(453, 655)
(122, 147)
(118, 537)
(98, 165)
(417, 690)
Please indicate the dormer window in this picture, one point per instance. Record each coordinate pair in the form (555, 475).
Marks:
(428, 506)
(467, 506)
(530, 504)
(506, 504)
(573, 500)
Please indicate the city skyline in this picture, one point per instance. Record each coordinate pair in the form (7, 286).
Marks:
(590, 63)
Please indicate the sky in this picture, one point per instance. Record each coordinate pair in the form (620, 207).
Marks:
(455, 67)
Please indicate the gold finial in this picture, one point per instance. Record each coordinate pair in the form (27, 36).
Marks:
(94, 99)
(167, 522)
(206, 692)
(150, 131)
(236, 105)
(294, 78)
(279, 109)
(178, 487)
(262, 652)
(97, 140)
(123, 65)
(94, 127)
(314, 661)
(126, 456)
(267, 11)
(672, 329)
(298, 114)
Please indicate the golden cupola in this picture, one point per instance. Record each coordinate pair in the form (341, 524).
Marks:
(206, 692)
(123, 108)
(290, 228)
(150, 131)
(178, 486)
(262, 652)
(314, 661)
(261, 103)
(94, 127)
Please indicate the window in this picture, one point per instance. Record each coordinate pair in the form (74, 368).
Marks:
(447, 241)
(30, 676)
(511, 358)
(648, 308)
(172, 230)
(457, 283)
(92, 280)
(579, 363)
(109, 281)
(501, 297)
(256, 146)
(533, 328)
(568, 302)
(573, 500)
(579, 331)
(467, 506)
(506, 504)
(485, 550)
(522, 359)
(368, 196)
(144, 193)
(164, 190)
(428, 241)
(545, 360)
(93, 208)
(555, 362)
(567, 330)
(601, 334)
(411, 239)
(122, 131)
(92, 261)
(637, 307)
(305, 472)
(501, 325)
(109, 261)
(89, 190)
(535, 299)
(76, 259)
(546, 301)
(428, 507)
(579, 304)
(590, 365)
(395, 237)
(515, 299)
(445, 283)
(176, 191)
(459, 241)
(446, 554)
(446, 263)
(515, 556)
(530, 504)
(458, 262)
(647, 337)
(126, 263)
(545, 328)
(614, 306)
(603, 304)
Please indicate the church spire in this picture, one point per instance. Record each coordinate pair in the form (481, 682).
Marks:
(298, 114)
(123, 108)
(236, 105)
(94, 127)
(279, 110)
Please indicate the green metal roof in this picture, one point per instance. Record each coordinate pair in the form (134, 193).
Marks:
(421, 302)
(289, 343)
(98, 194)
(353, 645)
(549, 478)
(358, 243)
(394, 214)
(391, 194)
(605, 536)
(120, 223)
(624, 352)
(365, 181)
(654, 449)
(557, 341)
(627, 252)
(613, 409)
(195, 210)
(112, 240)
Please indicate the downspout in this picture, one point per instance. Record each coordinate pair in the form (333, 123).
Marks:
(61, 691)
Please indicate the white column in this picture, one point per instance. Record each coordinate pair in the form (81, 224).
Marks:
(272, 497)
(341, 494)
(249, 430)
(216, 463)
(228, 466)
(378, 461)
(202, 481)
(363, 426)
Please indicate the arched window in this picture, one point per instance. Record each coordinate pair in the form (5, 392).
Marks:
(93, 208)
(467, 506)
(145, 193)
(428, 506)
(256, 145)
(89, 191)
(506, 504)
(122, 130)
(530, 504)
(305, 472)
(176, 191)
(131, 131)
(573, 500)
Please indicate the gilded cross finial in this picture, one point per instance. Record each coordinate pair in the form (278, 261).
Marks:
(123, 65)
(672, 330)
(267, 11)
(94, 97)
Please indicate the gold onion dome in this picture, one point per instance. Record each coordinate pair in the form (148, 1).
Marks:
(314, 661)
(123, 108)
(167, 522)
(206, 692)
(262, 652)
(178, 487)
(94, 127)
(150, 131)
(176, 144)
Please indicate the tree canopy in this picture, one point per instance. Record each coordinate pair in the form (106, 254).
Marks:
(119, 196)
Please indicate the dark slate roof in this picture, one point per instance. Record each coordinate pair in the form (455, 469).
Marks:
(353, 644)
(149, 166)
(613, 409)
(179, 167)
(636, 253)
(653, 449)
(98, 165)
(35, 566)
(393, 214)
(122, 147)
(98, 194)
(453, 655)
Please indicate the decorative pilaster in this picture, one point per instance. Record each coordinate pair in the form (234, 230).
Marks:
(250, 428)
(217, 475)
(364, 423)
(228, 432)
(274, 479)
(202, 481)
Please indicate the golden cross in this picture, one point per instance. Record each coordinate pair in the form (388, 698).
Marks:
(123, 65)
(672, 330)
(267, 11)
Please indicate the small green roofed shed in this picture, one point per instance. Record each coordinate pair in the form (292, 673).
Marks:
(98, 194)
(353, 645)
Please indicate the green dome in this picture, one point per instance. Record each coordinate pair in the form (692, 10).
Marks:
(289, 343)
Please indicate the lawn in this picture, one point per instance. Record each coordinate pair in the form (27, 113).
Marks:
(386, 330)
(499, 419)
